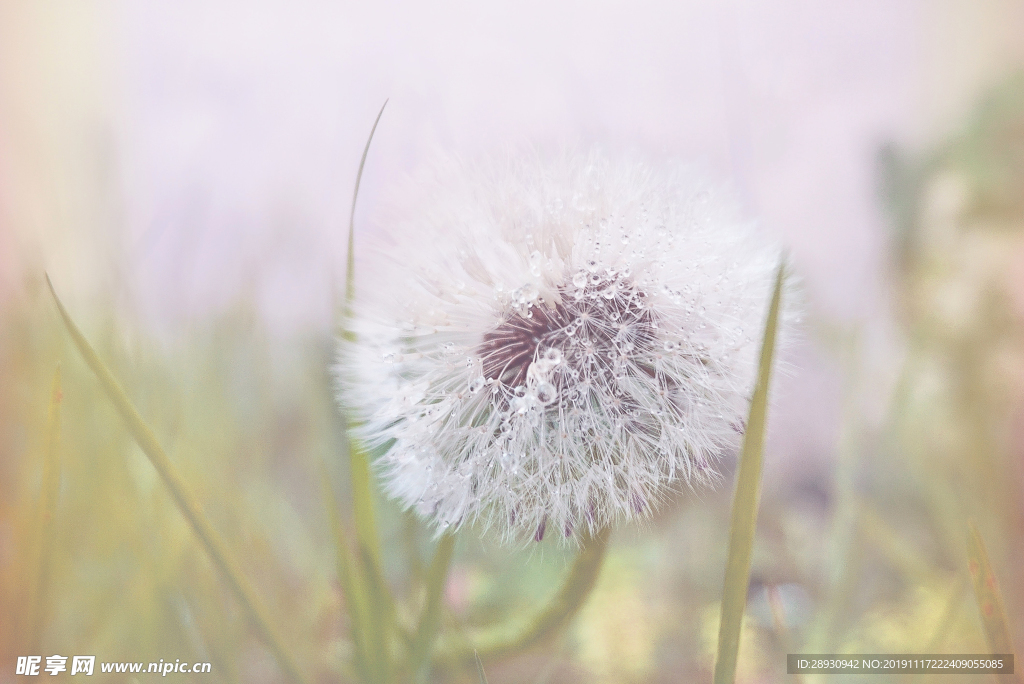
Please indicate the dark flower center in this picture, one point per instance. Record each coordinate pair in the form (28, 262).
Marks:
(595, 328)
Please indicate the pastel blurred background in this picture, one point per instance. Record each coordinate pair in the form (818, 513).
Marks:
(184, 171)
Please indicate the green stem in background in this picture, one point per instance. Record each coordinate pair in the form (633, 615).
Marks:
(430, 619)
(49, 494)
(744, 508)
(950, 613)
(379, 620)
(501, 641)
(410, 542)
(480, 668)
(778, 611)
(990, 602)
(351, 587)
(186, 502)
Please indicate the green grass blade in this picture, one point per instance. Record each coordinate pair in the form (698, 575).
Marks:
(480, 668)
(351, 584)
(430, 620)
(986, 593)
(366, 529)
(49, 494)
(379, 620)
(744, 508)
(350, 262)
(508, 640)
(183, 498)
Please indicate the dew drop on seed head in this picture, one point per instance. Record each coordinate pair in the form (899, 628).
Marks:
(477, 384)
(535, 261)
(671, 345)
(546, 393)
(552, 355)
(580, 279)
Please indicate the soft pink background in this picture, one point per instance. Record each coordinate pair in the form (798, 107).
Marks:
(176, 155)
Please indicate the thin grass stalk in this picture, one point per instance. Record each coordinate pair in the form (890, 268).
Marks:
(187, 504)
(778, 611)
(899, 551)
(430, 619)
(383, 621)
(744, 509)
(945, 623)
(49, 495)
(480, 668)
(350, 260)
(348, 577)
(377, 623)
(989, 599)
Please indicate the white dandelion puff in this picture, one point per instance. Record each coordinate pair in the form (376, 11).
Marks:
(553, 347)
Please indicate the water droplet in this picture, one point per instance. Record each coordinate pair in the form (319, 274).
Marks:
(671, 346)
(546, 393)
(536, 258)
(477, 384)
(592, 265)
(552, 355)
(580, 279)
(525, 294)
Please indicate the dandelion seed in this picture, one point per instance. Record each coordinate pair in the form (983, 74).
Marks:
(618, 359)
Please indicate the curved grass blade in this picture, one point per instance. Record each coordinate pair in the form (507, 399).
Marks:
(744, 507)
(183, 498)
(990, 602)
(49, 494)
(379, 624)
(480, 668)
(350, 261)
(504, 641)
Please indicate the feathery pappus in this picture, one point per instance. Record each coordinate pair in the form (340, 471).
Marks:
(553, 346)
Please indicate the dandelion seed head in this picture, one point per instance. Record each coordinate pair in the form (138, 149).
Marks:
(555, 344)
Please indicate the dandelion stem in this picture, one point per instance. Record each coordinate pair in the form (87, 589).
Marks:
(186, 502)
(744, 509)
(502, 642)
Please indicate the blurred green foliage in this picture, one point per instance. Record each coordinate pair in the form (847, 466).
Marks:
(872, 558)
